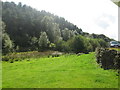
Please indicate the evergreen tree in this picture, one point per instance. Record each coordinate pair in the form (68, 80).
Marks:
(7, 44)
(43, 41)
(51, 28)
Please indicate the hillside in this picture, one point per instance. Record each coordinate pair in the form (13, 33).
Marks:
(42, 50)
(24, 29)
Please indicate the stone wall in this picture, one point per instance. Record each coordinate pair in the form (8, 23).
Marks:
(108, 59)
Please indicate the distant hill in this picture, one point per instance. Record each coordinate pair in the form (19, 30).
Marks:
(25, 24)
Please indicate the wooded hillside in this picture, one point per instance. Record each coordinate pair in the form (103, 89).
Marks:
(26, 29)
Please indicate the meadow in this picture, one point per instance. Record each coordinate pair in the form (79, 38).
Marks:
(66, 71)
(117, 49)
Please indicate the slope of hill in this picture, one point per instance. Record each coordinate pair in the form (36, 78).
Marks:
(24, 25)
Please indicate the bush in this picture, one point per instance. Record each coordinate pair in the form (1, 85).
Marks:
(108, 59)
(103, 43)
(78, 44)
(94, 43)
(59, 45)
(52, 46)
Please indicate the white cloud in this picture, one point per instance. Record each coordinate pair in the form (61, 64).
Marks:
(93, 16)
(105, 21)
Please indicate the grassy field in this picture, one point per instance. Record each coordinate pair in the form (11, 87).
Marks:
(117, 49)
(67, 71)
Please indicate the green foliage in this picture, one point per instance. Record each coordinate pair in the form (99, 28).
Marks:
(98, 43)
(88, 45)
(59, 45)
(67, 34)
(33, 40)
(43, 41)
(7, 44)
(117, 2)
(94, 43)
(28, 22)
(52, 46)
(78, 44)
(101, 36)
(66, 47)
(24, 24)
(34, 43)
(103, 43)
(17, 48)
(51, 28)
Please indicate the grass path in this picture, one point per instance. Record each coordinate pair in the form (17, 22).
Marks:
(69, 71)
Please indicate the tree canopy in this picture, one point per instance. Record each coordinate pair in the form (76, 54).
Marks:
(25, 29)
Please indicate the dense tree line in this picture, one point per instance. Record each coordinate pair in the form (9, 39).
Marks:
(26, 29)
(7, 44)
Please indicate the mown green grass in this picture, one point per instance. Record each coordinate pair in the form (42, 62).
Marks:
(68, 71)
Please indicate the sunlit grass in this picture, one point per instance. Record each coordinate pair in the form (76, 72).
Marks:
(68, 71)
(118, 49)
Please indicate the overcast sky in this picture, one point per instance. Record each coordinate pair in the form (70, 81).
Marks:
(93, 16)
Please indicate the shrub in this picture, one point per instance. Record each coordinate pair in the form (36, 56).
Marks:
(103, 43)
(59, 45)
(94, 43)
(108, 59)
(52, 46)
(77, 44)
